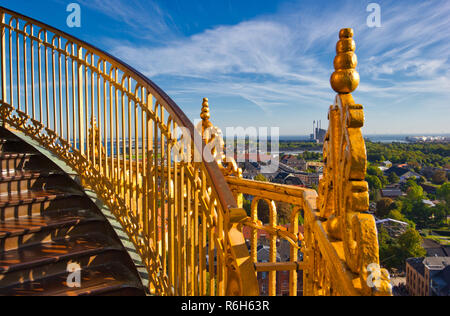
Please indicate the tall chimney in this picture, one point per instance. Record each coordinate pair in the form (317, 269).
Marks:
(314, 129)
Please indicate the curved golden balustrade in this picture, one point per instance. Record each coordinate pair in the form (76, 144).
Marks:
(339, 244)
(119, 132)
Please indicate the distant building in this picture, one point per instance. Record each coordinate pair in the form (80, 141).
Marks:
(415, 278)
(428, 203)
(430, 189)
(428, 139)
(310, 179)
(394, 228)
(392, 193)
(293, 162)
(402, 172)
(318, 134)
(399, 171)
(314, 165)
(435, 249)
(428, 172)
(440, 282)
(288, 178)
(428, 276)
(410, 174)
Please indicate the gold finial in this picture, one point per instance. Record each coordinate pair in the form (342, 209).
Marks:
(205, 115)
(345, 79)
(93, 121)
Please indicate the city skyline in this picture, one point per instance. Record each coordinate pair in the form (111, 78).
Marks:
(267, 63)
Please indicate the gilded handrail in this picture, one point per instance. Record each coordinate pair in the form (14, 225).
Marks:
(120, 135)
(185, 217)
(315, 244)
(339, 245)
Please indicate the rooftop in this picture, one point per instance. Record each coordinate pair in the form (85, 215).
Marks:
(417, 264)
(437, 263)
(391, 192)
(432, 263)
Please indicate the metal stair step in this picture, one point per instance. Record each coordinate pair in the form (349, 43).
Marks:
(31, 203)
(112, 278)
(24, 232)
(39, 272)
(15, 160)
(51, 252)
(12, 175)
(12, 144)
(22, 226)
(48, 222)
(33, 196)
(24, 180)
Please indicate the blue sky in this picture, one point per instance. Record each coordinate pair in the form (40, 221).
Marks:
(268, 63)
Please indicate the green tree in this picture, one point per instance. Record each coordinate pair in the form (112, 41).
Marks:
(374, 182)
(393, 253)
(421, 214)
(374, 171)
(261, 178)
(411, 241)
(384, 207)
(263, 212)
(439, 177)
(414, 191)
(393, 178)
(421, 180)
(443, 193)
(439, 213)
(406, 208)
(284, 212)
(398, 216)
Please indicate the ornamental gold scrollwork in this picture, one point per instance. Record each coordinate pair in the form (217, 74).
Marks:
(212, 136)
(94, 137)
(343, 191)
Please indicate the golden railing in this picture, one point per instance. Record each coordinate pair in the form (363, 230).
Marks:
(183, 213)
(339, 244)
(118, 131)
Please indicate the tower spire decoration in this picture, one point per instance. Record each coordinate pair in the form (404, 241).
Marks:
(345, 79)
(205, 116)
(343, 192)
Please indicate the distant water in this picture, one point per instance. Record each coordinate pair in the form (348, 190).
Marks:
(387, 138)
(394, 138)
(295, 138)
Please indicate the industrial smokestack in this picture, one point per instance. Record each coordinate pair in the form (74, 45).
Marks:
(314, 129)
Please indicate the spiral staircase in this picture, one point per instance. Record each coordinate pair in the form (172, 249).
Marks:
(47, 222)
(101, 170)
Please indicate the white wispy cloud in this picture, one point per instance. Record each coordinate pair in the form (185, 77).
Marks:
(250, 47)
(285, 58)
(144, 19)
